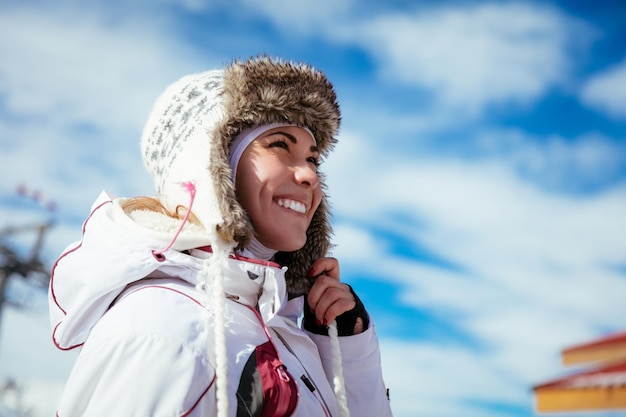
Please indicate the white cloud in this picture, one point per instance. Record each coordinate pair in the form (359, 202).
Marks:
(485, 197)
(354, 244)
(467, 57)
(76, 86)
(586, 162)
(470, 57)
(535, 269)
(33, 398)
(444, 381)
(79, 68)
(606, 91)
(39, 357)
(303, 17)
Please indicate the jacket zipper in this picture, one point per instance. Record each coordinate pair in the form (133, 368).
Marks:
(306, 377)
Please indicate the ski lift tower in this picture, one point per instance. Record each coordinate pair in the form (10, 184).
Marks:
(29, 267)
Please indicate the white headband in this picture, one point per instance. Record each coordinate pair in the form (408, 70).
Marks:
(247, 136)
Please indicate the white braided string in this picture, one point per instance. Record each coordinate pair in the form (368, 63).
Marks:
(338, 381)
(215, 288)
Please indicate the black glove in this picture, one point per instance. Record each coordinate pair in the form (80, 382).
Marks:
(345, 321)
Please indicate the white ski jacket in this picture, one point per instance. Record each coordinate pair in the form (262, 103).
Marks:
(145, 331)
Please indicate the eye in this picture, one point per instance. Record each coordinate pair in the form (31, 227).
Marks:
(279, 144)
(315, 161)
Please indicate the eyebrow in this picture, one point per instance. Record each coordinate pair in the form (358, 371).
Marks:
(294, 140)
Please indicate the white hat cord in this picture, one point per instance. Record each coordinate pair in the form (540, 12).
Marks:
(211, 288)
(213, 269)
(338, 381)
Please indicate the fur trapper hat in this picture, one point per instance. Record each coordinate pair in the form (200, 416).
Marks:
(193, 122)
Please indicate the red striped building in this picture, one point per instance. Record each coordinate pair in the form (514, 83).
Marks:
(600, 386)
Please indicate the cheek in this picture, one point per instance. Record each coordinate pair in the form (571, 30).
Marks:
(246, 188)
(317, 199)
(265, 173)
(254, 188)
(271, 172)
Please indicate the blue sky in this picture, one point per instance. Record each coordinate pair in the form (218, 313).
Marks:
(478, 188)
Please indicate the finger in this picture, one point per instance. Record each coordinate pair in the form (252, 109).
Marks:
(358, 325)
(327, 266)
(321, 284)
(335, 309)
(334, 301)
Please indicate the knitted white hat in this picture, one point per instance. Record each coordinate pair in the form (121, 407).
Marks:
(194, 121)
(176, 146)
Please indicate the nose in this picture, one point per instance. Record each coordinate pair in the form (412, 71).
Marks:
(306, 174)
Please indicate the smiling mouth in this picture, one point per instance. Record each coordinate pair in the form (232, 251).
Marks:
(296, 206)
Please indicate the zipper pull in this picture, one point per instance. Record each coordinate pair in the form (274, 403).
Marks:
(308, 383)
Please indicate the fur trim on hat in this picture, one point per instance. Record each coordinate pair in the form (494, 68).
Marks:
(218, 106)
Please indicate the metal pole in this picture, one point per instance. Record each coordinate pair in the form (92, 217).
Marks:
(3, 285)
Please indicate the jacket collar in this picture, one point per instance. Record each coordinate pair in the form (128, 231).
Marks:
(255, 283)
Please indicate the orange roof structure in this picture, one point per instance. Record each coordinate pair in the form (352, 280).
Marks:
(604, 349)
(602, 387)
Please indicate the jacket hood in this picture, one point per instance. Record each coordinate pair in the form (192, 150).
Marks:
(115, 252)
(193, 122)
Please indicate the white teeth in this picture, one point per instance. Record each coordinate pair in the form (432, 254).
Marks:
(292, 205)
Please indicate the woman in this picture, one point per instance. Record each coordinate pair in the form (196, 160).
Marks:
(188, 304)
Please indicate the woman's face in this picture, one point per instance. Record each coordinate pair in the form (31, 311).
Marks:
(277, 184)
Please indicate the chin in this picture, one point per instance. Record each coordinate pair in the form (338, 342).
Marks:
(292, 248)
(293, 245)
